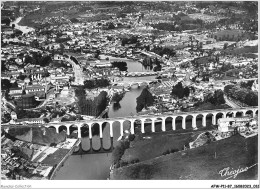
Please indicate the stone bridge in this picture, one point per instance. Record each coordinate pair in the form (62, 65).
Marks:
(137, 82)
(152, 119)
(88, 125)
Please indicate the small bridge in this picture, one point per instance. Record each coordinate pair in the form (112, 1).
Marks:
(137, 82)
(140, 74)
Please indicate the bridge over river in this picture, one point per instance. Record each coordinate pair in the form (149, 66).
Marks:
(138, 82)
(78, 126)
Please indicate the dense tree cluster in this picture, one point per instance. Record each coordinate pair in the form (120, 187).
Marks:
(247, 84)
(88, 106)
(243, 95)
(179, 91)
(148, 61)
(95, 83)
(117, 98)
(21, 113)
(38, 59)
(74, 20)
(71, 118)
(119, 150)
(163, 51)
(122, 66)
(215, 98)
(129, 40)
(5, 118)
(74, 59)
(144, 100)
(6, 21)
(111, 26)
(5, 84)
(179, 25)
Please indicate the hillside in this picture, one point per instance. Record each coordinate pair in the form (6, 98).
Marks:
(199, 163)
(37, 135)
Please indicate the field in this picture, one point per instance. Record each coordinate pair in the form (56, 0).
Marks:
(202, 163)
(145, 148)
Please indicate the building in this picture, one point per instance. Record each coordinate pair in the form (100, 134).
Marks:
(31, 120)
(27, 101)
(232, 124)
(16, 93)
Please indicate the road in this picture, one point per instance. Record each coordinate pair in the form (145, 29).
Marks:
(78, 73)
(231, 103)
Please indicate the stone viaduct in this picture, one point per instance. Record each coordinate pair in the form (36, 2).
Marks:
(152, 119)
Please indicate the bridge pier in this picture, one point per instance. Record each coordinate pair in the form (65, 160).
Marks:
(100, 130)
(111, 129)
(163, 124)
(243, 113)
(214, 117)
(153, 124)
(132, 127)
(224, 114)
(57, 129)
(101, 144)
(204, 120)
(111, 143)
(79, 132)
(142, 125)
(121, 127)
(173, 123)
(194, 124)
(183, 125)
(90, 130)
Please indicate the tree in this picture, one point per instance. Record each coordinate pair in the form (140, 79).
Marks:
(111, 26)
(251, 99)
(215, 98)
(178, 90)
(227, 89)
(186, 91)
(247, 84)
(122, 66)
(225, 46)
(5, 84)
(144, 100)
(117, 97)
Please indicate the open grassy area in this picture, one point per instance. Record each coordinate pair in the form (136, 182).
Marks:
(144, 148)
(199, 163)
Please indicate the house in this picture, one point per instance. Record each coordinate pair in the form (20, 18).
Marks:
(59, 57)
(229, 124)
(16, 92)
(31, 120)
(34, 88)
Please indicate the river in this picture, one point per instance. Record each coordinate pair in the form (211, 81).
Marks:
(132, 65)
(96, 166)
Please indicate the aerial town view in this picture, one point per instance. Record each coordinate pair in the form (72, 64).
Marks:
(129, 90)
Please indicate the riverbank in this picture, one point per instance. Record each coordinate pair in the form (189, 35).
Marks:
(61, 163)
(201, 163)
